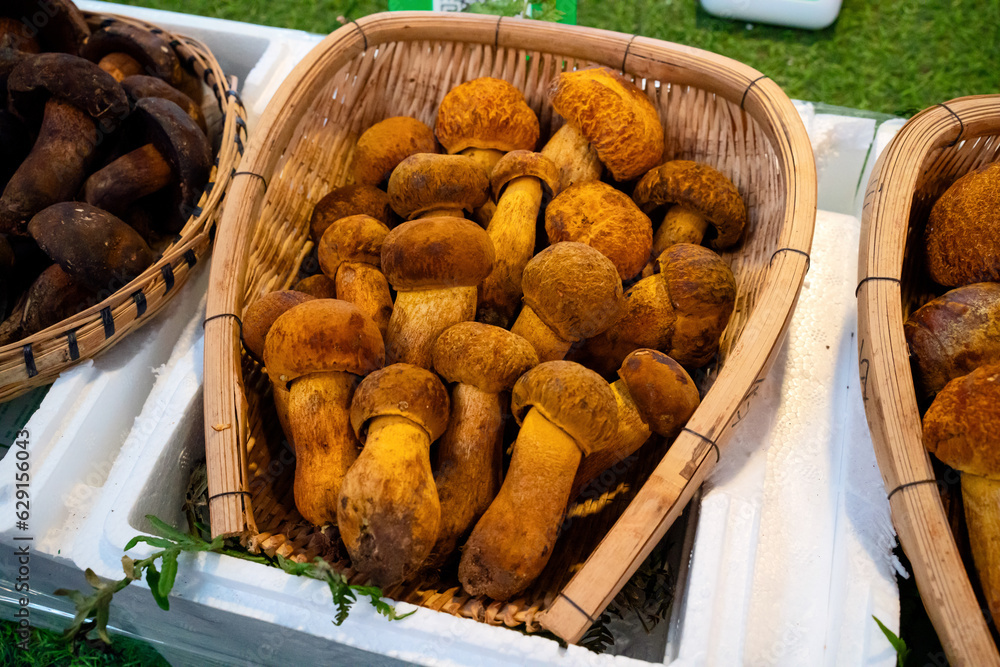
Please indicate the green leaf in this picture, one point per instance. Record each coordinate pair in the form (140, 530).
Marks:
(168, 573)
(92, 578)
(157, 542)
(153, 579)
(103, 614)
(76, 597)
(166, 530)
(898, 644)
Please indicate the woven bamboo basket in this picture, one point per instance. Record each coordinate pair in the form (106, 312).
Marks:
(38, 359)
(931, 151)
(715, 110)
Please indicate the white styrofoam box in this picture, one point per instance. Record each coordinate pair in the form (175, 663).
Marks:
(260, 57)
(793, 554)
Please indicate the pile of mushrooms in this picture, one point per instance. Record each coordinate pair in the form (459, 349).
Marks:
(954, 343)
(496, 284)
(104, 154)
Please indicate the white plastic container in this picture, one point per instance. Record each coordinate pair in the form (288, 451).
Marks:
(808, 14)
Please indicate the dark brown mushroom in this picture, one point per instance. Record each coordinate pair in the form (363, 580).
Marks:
(122, 50)
(174, 153)
(53, 297)
(81, 103)
(94, 247)
(140, 86)
(15, 143)
(429, 185)
(54, 25)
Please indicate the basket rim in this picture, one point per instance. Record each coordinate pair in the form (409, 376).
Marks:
(888, 390)
(746, 365)
(191, 243)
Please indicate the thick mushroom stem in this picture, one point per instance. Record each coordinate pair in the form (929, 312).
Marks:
(319, 407)
(573, 155)
(501, 557)
(981, 497)
(55, 168)
(366, 287)
(132, 176)
(633, 431)
(512, 230)
(389, 529)
(549, 345)
(420, 316)
(472, 443)
(486, 158)
(442, 213)
(120, 65)
(681, 224)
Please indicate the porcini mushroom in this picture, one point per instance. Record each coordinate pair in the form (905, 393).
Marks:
(565, 412)
(682, 311)
(435, 265)
(962, 238)
(388, 512)
(571, 292)
(349, 200)
(519, 181)
(318, 349)
(77, 96)
(350, 254)
(140, 86)
(318, 286)
(697, 195)
(604, 218)
(173, 153)
(53, 297)
(431, 185)
(609, 121)
(484, 362)
(387, 143)
(94, 247)
(962, 428)
(123, 50)
(61, 28)
(954, 334)
(654, 394)
(485, 118)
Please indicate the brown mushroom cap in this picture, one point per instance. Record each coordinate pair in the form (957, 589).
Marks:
(963, 230)
(615, 115)
(402, 390)
(428, 181)
(437, 252)
(140, 86)
(356, 238)
(260, 315)
(524, 163)
(486, 113)
(322, 335)
(954, 334)
(574, 290)
(94, 247)
(604, 218)
(962, 426)
(318, 286)
(346, 201)
(574, 398)
(150, 50)
(387, 143)
(664, 394)
(703, 294)
(487, 357)
(69, 79)
(53, 297)
(64, 29)
(18, 37)
(698, 187)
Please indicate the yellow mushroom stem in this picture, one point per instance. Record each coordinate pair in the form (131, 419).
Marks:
(574, 156)
(120, 66)
(366, 287)
(420, 316)
(981, 497)
(549, 345)
(442, 213)
(281, 395)
(632, 433)
(512, 231)
(513, 540)
(680, 225)
(387, 526)
(484, 214)
(487, 158)
(469, 463)
(319, 407)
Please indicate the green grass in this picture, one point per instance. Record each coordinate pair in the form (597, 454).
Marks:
(892, 56)
(47, 650)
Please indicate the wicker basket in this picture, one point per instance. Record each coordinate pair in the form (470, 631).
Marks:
(716, 111)
(38, 359)
(930, 152)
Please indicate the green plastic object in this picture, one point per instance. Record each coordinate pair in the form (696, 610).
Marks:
(567, 7)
